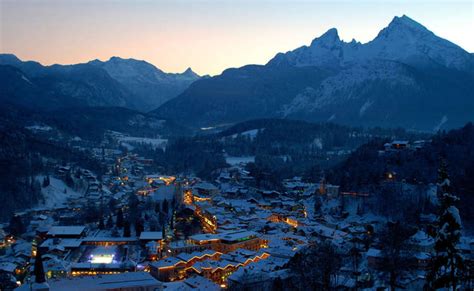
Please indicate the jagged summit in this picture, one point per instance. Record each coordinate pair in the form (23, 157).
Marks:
(378, 83)
(404, 26)
(330, 37)
(406, 21)
(403, 40)
(190, 73)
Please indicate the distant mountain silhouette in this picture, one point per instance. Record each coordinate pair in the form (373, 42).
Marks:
(117, 82)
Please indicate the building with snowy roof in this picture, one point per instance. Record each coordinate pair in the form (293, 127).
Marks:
(132, 281)
(66, 231)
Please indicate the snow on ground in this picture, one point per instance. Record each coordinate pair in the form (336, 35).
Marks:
(127, 146)
(155, 142)
(443, 120)
(164, 193)
(250, 133)
(234, 161)
(54, 195)
(318, 143)
(26, 79)
(39, 128)
(365, 106)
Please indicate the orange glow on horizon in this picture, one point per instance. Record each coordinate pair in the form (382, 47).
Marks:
(208, 36)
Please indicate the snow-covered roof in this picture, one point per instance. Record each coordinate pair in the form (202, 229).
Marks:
(106, 282)
(8, 267)
(400, 142)
(168, 262)
(422, 238)
(205, 186)
(151, 235)
(66, 230)
(201, 283)
(372, 252)
(187, 257)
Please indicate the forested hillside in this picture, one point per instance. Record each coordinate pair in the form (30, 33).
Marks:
(22, 158)
(366, 168)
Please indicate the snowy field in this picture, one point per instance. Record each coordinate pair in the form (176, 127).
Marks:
(127, 141)
(249, 133)
(39, 128)
(54, 195)
(234, 161)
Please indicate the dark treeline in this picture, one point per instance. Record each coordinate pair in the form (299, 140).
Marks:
(90, 123)
(282, 148)
(198, 155)
(18, 167)
(286, 148)
(284, 136)
(365, 169)
(93, 122)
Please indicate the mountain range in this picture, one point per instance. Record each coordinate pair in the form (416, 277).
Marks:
(120, 82)
(406, 76)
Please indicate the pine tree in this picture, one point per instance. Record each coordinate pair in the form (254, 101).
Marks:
(39, 269)
(139, 227)
(101, 223)
(133, 204)
(396, 251)
(110, 222)
(445, 269)
(126, 229)
(165, 208)
(277, 284)
(317, 205)
(69, 181)
(172, 224)
(46, 181)
(120, 218)
(17, 227)
(111, 204)
(163, 231)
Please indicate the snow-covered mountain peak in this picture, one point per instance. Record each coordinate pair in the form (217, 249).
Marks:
(329, 38)
(403, 40)
(407, 22)
(408, 41)
(402, 29)
(189, 73)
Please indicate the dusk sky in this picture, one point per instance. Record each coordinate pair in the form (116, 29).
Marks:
(208, 36)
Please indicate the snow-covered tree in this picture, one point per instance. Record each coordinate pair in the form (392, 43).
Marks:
(447, 263)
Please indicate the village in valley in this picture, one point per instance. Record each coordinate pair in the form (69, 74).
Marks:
(137, 229)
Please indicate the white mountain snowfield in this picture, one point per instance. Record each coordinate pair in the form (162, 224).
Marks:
(404, 41)
(151, 85)
(122, 69)
(342, 84)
